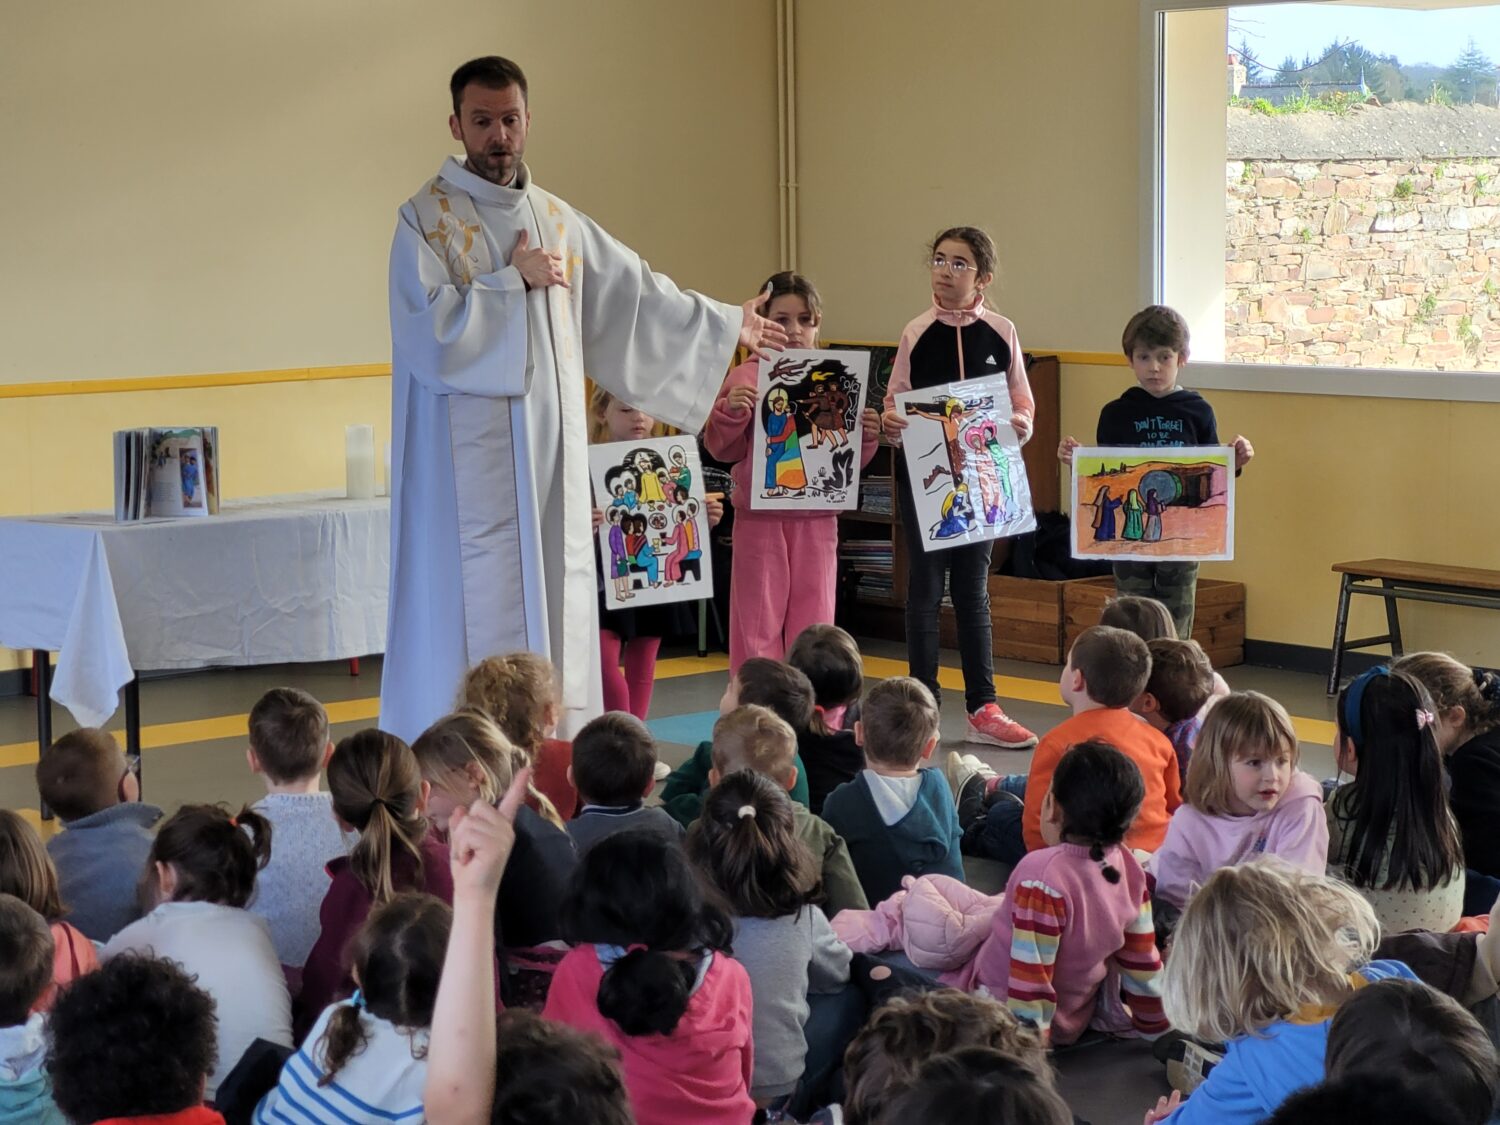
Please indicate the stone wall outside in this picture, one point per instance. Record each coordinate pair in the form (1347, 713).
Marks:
(1363, 263)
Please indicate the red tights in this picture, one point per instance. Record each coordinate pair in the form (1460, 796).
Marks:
(629, 690)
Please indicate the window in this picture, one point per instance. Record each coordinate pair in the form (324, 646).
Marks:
(1324, 193)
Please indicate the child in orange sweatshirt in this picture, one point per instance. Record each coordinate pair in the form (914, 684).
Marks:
(1107, 669)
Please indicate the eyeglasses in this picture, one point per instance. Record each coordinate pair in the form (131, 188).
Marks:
(955, 267)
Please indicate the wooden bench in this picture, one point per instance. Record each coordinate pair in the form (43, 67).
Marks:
(1411, 581)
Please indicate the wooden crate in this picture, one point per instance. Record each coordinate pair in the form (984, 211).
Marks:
(1218, 623)
(1027, 615)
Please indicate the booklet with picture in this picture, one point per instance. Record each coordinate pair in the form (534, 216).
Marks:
(166, 472)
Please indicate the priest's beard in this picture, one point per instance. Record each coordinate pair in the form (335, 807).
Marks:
(494, 163)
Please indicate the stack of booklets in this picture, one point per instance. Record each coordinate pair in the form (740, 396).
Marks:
(871, 561)
(166, 472)
(875, 496)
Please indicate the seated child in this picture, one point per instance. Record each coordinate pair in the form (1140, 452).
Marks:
(1440, 1052)
(830, 659)
(378, 791)
(1263, 957)
(1073, 937)
(974, 1086)
(26, 871)
(25, 973)
(897, 818)
(1107, 670)
(1245, 797)
(1151, 620)
(1467, 706)
(746, 845)
(135, 1043)
(1369, 1099)
(753, 737)
(85, 778)
(650, 972)
(289, 747)
(201, 874)
(769, 683)
(883, 1060)
(1181, 682)
(365, 1060)
(465, 758)
(518, 1069)
(614, 764)
(546, 1071)
(1390, 831)
(522, 693)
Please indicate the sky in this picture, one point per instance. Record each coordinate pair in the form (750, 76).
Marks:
(1274, 31)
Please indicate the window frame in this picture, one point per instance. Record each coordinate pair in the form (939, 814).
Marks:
(1307, 379)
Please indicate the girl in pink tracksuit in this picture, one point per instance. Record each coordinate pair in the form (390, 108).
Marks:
(767, 607)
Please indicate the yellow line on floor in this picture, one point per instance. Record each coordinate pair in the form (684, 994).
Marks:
(1316, 731)
(340, 711)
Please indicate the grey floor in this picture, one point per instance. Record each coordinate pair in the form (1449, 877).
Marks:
(1106, 1083)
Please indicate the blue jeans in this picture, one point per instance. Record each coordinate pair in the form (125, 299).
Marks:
(997, 834)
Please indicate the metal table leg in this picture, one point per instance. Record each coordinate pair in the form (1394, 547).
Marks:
(1340, 625)
(41, 681)
(1392, 620)
(133, 726)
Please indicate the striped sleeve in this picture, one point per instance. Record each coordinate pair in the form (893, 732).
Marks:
(1140, 972)
(1038, 915)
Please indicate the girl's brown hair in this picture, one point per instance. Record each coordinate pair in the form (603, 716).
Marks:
(1258, 942)
(446, 749)
(1241, 725)
(215, 854)
(26, 869)
(1147, 618)
(980, 244)
(1451, 683)
(397, 957)
(377, 790)
(746, 843)
(789, 284)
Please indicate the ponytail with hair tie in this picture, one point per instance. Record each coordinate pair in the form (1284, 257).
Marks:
(1108, 870)
(1488, 684)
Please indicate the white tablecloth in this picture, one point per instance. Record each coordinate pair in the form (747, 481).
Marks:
(266, 581)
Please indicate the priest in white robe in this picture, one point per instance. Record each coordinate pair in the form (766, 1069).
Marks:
(502, 299)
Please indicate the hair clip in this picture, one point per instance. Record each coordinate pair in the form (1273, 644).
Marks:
(746, 810)
(1425, 718)
(358, 999)
(234, 822)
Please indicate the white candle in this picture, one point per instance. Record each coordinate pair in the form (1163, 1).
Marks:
(359, 462)
(386, 490)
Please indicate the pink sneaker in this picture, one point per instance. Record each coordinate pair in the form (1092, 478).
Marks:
(994, 727)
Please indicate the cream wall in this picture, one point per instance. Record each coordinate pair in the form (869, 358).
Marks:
(200, 187)
(1023, 117)
(203, 187)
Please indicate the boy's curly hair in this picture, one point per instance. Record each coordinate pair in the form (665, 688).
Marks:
(547, 1072)
(134, 1039)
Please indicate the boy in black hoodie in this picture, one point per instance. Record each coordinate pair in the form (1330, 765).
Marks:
(1157, 412)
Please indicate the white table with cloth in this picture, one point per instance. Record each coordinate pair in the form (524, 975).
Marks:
(283, 579)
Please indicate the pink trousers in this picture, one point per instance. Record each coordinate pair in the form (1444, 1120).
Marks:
(784, 578)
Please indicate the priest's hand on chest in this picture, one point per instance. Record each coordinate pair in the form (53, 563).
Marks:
(539, 268)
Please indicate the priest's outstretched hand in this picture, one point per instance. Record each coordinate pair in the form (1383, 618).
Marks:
(757, 333)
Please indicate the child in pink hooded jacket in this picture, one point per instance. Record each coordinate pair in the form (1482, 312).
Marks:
(1245, 797)
(767, 607)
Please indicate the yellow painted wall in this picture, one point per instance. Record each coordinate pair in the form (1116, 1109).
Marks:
(212, 187)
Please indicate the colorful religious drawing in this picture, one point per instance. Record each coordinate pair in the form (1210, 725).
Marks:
(963, 460)
(653, 540)
(807, 430)
(1153, 504)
